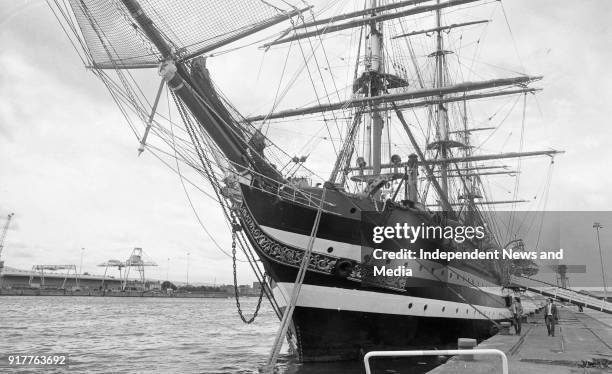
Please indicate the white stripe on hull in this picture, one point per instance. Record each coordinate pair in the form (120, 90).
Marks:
(340, 249)
(339, 299)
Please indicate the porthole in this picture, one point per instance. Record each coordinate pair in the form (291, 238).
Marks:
(410, 306)
(443, 308)
(353, 210)
(330, 249)
(425, 307)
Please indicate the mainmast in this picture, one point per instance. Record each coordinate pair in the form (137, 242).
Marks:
(441, 117)
(375, 92)
(469, 189)
(374, 67)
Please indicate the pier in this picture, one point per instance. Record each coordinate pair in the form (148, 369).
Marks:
(582, 344)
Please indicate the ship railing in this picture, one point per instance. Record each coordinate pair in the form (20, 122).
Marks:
(292, 193)
(288, 191)
(448, 352)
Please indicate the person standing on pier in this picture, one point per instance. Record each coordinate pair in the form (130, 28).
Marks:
(517, 315)
(551, 315)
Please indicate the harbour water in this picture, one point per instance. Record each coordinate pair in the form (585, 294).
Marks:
(154, 335)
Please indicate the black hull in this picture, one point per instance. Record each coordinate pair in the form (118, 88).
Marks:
(331, 335)
(341, 317)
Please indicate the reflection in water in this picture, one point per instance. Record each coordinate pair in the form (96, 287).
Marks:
(158, 335)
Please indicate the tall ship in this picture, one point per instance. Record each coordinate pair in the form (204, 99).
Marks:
(384, 98)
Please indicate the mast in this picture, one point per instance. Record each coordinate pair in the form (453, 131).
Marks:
(374, 68)
(469, 187)
(441, 118)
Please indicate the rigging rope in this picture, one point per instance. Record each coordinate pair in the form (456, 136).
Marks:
(546, 194)
(233, 255)
(501, 3)
(191, 129)
(518, 173)
(317, 96)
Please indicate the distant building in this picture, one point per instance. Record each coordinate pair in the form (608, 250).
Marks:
(227, 288)
(12, 278)
(245, 289)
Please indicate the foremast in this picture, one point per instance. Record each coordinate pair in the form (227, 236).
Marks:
(375, 68)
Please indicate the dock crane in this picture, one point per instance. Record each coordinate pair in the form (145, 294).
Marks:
(134, 261)
(3, 237)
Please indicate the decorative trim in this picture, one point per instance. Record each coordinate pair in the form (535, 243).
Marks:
(319, 262)
(286, 254)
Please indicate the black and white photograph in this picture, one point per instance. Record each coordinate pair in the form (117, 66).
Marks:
(305, 186)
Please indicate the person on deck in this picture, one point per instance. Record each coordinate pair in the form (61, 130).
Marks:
(517, 314)
(551, 315)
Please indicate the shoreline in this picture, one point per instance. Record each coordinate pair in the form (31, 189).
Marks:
(95, 293)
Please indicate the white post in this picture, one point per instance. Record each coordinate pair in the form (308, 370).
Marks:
(78, 278)
(188, 268)
(598, 226)
(167, 268)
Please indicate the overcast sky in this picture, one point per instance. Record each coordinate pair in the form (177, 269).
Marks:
(69, 171)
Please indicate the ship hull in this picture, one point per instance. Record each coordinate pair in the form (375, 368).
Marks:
(339, 335)
(340, 317)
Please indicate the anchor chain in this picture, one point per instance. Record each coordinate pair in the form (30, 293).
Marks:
(236, 227)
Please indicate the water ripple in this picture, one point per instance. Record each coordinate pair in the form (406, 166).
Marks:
(146, 335)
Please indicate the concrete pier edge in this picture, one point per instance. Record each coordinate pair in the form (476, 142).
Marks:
(582, 344)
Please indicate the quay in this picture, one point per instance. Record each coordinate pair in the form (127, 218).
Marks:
(108, 293)
(17, 282)
(582, 344)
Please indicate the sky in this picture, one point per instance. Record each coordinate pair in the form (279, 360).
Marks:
(69, 168)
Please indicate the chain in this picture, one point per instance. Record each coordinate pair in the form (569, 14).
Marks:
(236, 227)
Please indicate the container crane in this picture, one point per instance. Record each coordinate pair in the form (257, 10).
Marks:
(3, 237)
